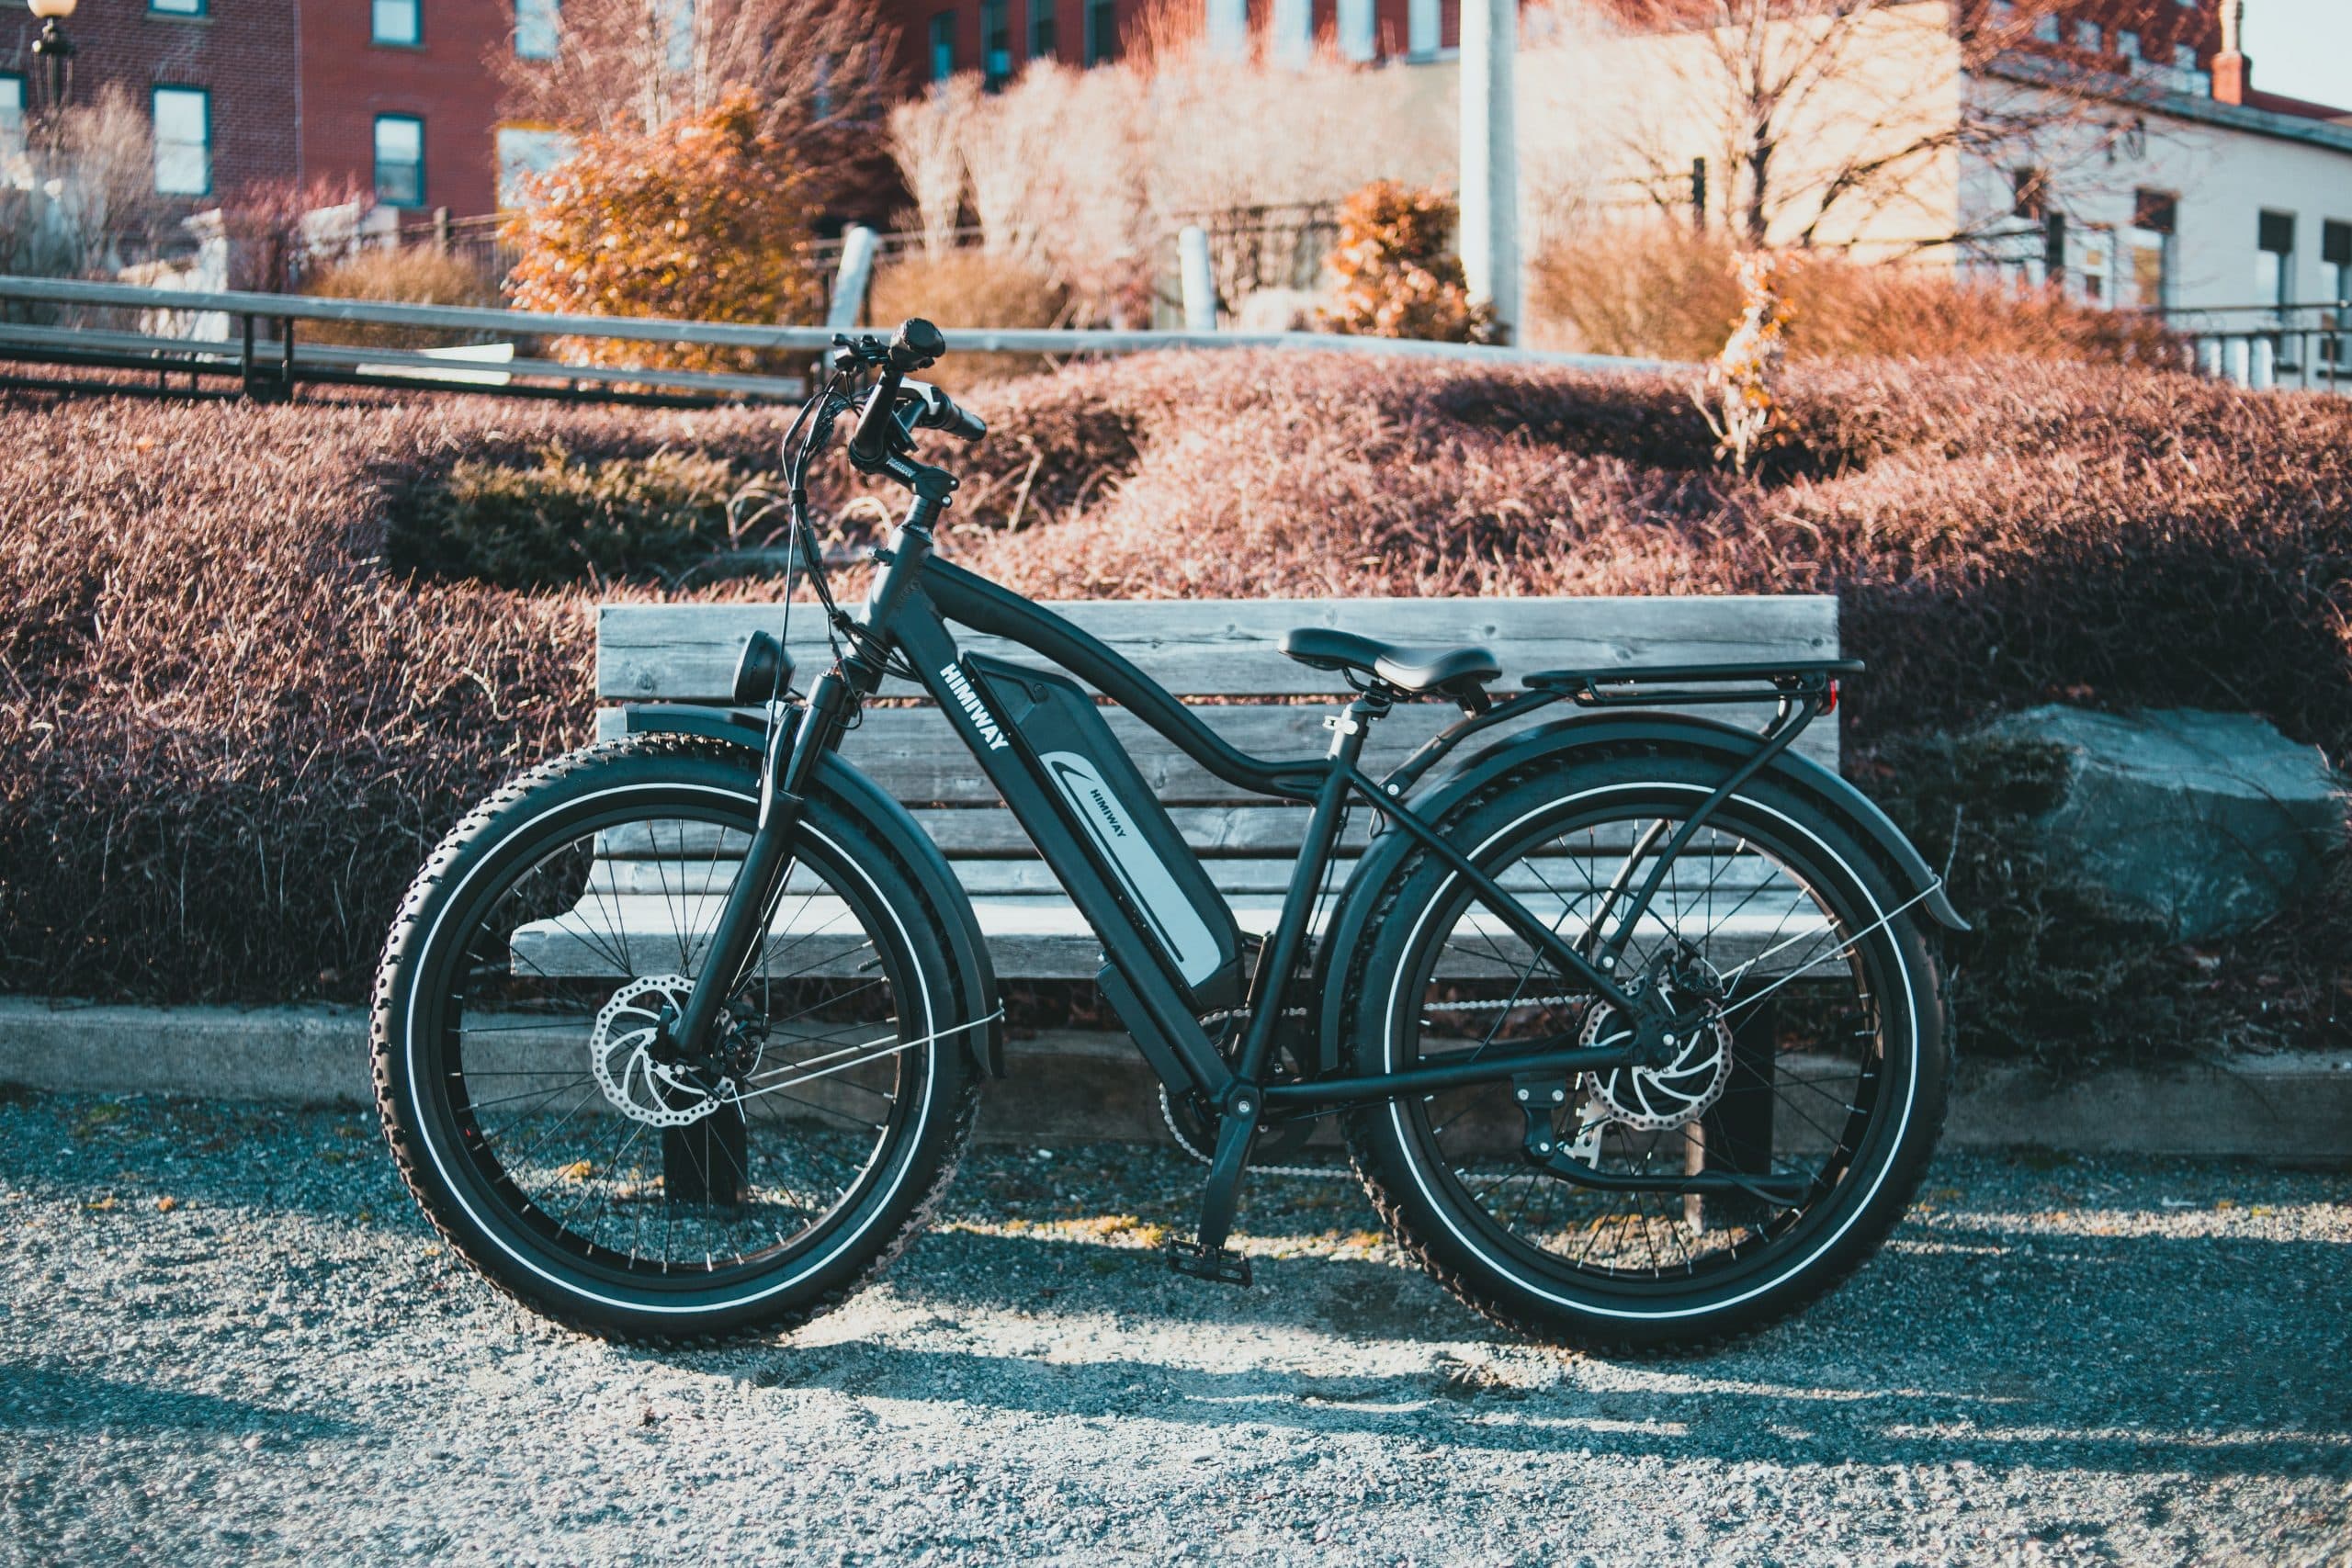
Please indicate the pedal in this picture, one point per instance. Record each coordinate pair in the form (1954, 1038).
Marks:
(1222, 1264)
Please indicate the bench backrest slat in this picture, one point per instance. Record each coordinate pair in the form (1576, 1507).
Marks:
(1204, 648)
(1226, 650)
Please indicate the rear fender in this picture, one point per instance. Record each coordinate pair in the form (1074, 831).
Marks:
(891, 824)
(1561, 739)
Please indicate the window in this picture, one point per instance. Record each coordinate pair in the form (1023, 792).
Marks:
(1228, 29)
(2274, 261)
(2127, 43)
(183, 141)
(1102, 31)
(943, 46)
(995, 41)
(11, 114)
(525, 151)
(400, 160)
(2335, 255)
(2088, 35)
(2184, 56)
(1043, 44)
(1294, 32)
(1356, 29)
(538, 29)
(2148, 250)
(2048, 29)
(176, 7)
(399, 22)
(1421, 30)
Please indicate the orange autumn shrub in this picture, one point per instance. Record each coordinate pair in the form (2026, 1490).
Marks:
(1395, 273)
(704, 219)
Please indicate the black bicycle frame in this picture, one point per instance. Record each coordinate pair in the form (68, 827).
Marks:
(914, 596)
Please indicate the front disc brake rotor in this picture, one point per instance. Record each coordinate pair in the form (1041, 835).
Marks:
(621, 1053)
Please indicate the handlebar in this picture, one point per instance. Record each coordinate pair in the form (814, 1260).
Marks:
(882, 428)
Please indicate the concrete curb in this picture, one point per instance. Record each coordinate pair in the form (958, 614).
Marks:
(1068, 1086)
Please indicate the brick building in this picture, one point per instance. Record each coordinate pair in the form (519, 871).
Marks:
(398, 98)
(216, 76)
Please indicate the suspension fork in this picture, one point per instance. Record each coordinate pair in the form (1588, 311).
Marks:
(794, 755)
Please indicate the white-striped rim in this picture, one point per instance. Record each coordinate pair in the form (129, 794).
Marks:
(1422, 1176)
(568, 1285)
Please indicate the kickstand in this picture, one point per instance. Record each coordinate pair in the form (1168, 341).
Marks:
(1207, 1258)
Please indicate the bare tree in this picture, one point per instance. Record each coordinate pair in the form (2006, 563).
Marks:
(1822, 116)
(94, 195)
(927, 138)
(822, 69)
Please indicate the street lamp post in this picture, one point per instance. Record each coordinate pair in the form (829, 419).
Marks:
(54, 49)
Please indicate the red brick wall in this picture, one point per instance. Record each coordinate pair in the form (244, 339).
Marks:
(348, 80)
(243, 54)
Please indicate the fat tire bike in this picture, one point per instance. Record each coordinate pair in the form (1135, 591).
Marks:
(1627, 1014)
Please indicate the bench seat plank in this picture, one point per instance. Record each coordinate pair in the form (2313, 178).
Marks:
(1037, 937)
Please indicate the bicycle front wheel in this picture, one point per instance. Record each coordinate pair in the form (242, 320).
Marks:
(525, 1085)
(1685, 1201)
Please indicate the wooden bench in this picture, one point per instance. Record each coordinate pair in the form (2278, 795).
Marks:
(1222, 653)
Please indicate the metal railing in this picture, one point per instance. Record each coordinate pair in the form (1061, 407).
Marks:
(255, 342)
(2270, 347)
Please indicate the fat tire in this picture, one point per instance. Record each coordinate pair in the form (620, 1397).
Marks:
(1387, 1167)
(953, 1082)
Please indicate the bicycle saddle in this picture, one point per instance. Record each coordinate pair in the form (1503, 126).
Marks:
(1415, 672)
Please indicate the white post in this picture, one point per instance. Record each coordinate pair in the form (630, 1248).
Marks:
(1199, 279)
(850, 282)
(2241, 352)
(1489, 241)
(2266, 365)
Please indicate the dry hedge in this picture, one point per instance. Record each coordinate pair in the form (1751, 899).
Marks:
(228, 730)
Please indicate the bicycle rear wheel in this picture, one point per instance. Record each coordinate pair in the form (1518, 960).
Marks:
(548, 1132)
(1818, 1082)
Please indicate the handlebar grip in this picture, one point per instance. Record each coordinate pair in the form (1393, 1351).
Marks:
(960, 423)
(915, 345)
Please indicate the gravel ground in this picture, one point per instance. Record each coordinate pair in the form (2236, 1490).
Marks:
(229, 1337)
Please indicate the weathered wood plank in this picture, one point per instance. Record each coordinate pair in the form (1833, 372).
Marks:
(1691, 879)
(1227, 646)
(915, 757)
(1046, 937)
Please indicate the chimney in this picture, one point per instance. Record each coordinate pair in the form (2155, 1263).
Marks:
(2232, 71)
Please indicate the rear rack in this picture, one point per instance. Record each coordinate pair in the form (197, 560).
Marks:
(1667, 686)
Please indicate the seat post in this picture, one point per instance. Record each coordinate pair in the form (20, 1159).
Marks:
(1351, 724)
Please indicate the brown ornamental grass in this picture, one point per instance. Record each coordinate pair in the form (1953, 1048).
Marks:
(230, 727)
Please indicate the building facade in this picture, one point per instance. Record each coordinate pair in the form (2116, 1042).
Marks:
(2219, 193)
(215, 78)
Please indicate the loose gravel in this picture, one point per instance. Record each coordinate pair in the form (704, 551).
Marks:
(229, 1337)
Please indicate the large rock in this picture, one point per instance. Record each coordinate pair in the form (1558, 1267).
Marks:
(2209, 822)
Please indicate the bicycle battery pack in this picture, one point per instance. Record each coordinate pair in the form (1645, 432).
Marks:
(1124, 824)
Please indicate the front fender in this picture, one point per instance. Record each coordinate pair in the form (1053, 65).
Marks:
(1727, 743)
(890, 823)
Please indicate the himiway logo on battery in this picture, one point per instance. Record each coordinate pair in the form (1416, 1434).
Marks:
(987, 725)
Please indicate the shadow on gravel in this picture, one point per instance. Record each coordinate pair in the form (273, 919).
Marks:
(2126, 1354)
(1788, 1425)
(65, 1399)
